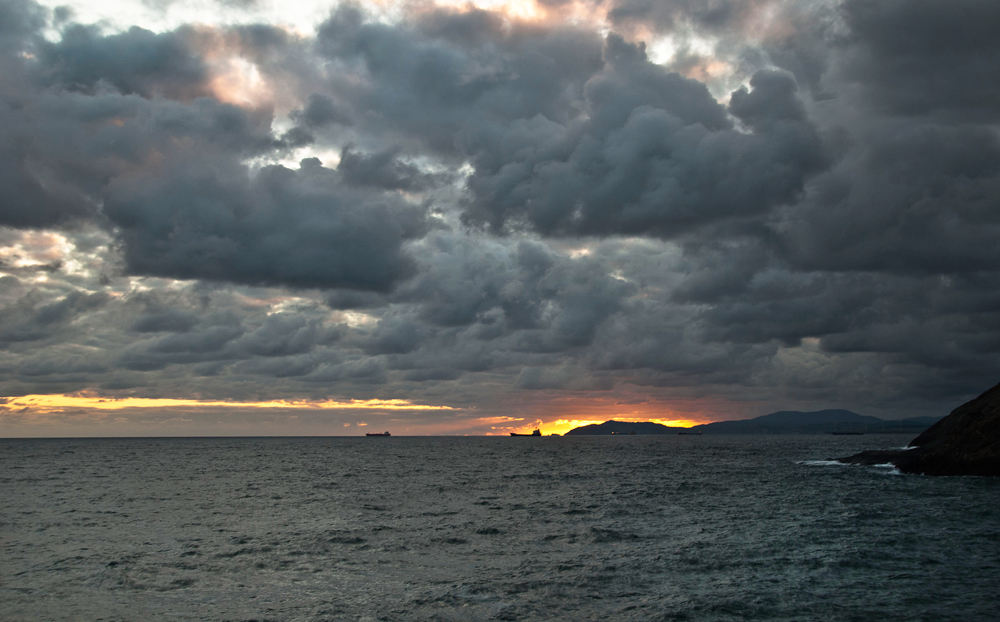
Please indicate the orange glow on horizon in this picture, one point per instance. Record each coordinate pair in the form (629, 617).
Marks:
(558, 415)
(562, 426)
(58, 402)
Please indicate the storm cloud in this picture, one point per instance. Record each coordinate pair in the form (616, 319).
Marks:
(746, 205)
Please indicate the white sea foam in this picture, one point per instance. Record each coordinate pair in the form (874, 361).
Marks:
(893, 469)
(821, 463)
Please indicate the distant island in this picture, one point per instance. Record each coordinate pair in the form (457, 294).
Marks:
(782, 422)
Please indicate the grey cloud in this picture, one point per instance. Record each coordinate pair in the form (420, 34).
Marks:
(542, 378)
(209, 339)
(384, 169)
(73, 304)
(19, 21)
(461, 279)
(299, 228)
(772, 100)
(283, 367)
(363, 371)
(483, 304)
(505, 288)
(396, 334)
(908, 198)
(656, 155)
(920, 57)
(208, 369)
(762, 265)
(321, 110)
(285, 334)
(31, 193)
(451, 72)
(348, 299)
(135, 61)
(33, 318)
(629, 81)
(60, 363)
(169, 320)
(197, 212)
(56, 172)
(425, 375)
(9, 284)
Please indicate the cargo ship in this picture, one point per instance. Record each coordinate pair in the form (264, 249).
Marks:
(377, 434)
(535, 433)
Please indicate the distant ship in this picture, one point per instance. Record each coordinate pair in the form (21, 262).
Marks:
(535, 433)
(377, 434)
(850, 431)
(698, 433)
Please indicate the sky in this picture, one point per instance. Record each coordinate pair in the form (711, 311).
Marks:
(245, 217)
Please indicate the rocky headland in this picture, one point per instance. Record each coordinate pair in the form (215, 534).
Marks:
(966, 442)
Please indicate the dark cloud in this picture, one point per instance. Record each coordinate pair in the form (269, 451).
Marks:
(384, 169)
(655, 155)
(771, 102)
(32, 317)
(908, 198)
(425, 375)
(170, 320)
(74, 303)
(285, 334)
(453, 73)
(168, 175)
(347, 299)
(921, 57)
(321, 110)
(547, 378)
(20, 21)
(517, 208)
(135, 61)
(279, 226)
(56, 365)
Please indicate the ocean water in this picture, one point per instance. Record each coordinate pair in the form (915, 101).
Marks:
(570, 528)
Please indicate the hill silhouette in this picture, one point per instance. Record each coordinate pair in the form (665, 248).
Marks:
(814, 422)
(622, 427)
(781, 422)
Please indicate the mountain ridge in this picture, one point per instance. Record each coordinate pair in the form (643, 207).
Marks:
(780, 422)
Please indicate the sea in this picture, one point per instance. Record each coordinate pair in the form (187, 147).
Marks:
(483, 528)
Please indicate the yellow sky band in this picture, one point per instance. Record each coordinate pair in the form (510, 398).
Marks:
(59, 402)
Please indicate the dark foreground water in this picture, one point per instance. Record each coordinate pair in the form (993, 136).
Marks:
(606, 528)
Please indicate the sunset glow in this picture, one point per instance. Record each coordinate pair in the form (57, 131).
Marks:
(562, 426)
(54, 403)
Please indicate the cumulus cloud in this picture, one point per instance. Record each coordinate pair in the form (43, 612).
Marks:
(278, 226)
(654, 154)
(464, 207)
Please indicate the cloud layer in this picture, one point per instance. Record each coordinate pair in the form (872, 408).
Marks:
(794, 206)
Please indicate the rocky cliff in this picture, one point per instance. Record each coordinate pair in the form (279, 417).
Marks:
(966, 442)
